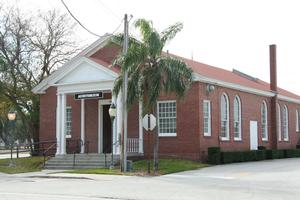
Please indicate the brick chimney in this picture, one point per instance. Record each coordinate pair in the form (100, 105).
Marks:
(274, 99)
(273, 68)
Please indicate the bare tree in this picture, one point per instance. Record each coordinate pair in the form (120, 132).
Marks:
(31, 48)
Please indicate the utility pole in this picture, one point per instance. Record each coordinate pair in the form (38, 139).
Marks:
(124, 99)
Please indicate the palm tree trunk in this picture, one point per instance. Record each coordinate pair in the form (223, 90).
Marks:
(155, 147)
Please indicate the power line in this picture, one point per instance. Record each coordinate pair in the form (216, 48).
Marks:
(110, 10)
(62, 1)
(69, 11)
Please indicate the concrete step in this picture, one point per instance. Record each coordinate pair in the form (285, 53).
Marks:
(82, 161)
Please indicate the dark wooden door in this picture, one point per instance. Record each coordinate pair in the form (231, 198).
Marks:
(106, 130)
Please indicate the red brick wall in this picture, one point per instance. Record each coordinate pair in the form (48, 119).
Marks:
(250, 110)
(190, 141)
(91, 124)
(293, 135)
(48, 115)
(186, 144)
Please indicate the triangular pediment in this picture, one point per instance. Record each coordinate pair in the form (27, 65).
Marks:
(86, 71)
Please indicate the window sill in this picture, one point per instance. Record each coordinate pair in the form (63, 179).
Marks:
(68, 136)
(207, 135)
(167, 134)
(237, 139)
(264, 140)
(224, 139)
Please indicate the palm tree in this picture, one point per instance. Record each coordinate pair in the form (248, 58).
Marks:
(151, 72)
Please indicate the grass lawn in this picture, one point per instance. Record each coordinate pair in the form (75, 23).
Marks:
(166, 166)
(21, 165)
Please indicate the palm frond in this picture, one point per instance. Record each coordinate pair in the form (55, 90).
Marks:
(145, 27)
(177, 76)
(170, 32)
(155, 45)
(118, 85)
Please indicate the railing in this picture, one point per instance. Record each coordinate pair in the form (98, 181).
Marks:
(132, 145)
(49, 152)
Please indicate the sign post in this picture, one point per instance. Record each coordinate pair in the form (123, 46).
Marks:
(149, 123)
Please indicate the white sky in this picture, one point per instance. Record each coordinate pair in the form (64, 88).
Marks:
(226, 34)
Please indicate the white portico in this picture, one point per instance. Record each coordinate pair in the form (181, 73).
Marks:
(86, 79)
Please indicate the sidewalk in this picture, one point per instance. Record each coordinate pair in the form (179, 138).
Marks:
(63, 174)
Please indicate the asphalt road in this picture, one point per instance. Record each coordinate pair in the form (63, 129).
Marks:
(276, 179)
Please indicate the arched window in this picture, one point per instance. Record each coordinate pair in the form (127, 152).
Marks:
(237, 118)
(297, 121)
(264, 121)
(285, 122)
(224, 117)
(278, 117)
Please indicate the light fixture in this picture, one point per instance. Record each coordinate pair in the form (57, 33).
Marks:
(11, 115)
(112, 111)
(210, 88)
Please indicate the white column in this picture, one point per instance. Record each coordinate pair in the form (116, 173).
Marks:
(119, 122)
(141, 142)
(114, 130)
(82, 126)
(63, 124)
(58, 122)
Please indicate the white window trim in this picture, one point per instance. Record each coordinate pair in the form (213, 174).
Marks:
(240, 118)
(297, 121)
(228, 120)
(68, 135)
(157, 111)
(209, 118)
(278, 119)
(264, 104)
(286, 134)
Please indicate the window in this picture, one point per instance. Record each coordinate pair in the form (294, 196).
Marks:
(206, 118)
(264, 121)
(297, 121)
(166, 118)
(68, 122)
(224, 117)
(237, 118)
(278, 122)
(285, 122)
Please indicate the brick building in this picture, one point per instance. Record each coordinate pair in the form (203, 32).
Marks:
(222, 108)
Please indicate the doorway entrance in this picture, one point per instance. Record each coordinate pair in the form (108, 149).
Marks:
(253, 135)
(106, 130)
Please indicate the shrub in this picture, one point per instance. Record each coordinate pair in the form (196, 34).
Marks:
(214, 155)
(249, 155)
(298, 146)
(296, 152)
(261, 148)
(269, 154)
(260, 155)
(227, 157)
(280, 153)
(213, 150)
(238, 156)
(289, 153)
(277, 154)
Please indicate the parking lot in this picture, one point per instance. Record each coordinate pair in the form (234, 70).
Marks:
(273, 179)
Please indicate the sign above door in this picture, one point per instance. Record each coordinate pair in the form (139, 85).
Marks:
(89, 95)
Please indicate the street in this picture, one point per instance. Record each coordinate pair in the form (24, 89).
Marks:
(274, 179)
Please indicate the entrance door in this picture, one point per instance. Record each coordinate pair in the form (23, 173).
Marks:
(106, 130)
(253, 135)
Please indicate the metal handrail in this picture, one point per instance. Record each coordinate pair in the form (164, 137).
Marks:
(48, 149)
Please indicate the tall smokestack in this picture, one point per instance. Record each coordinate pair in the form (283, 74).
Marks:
(274, 99)
(273, 68)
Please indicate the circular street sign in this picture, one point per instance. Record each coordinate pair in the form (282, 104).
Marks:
(149, 122)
